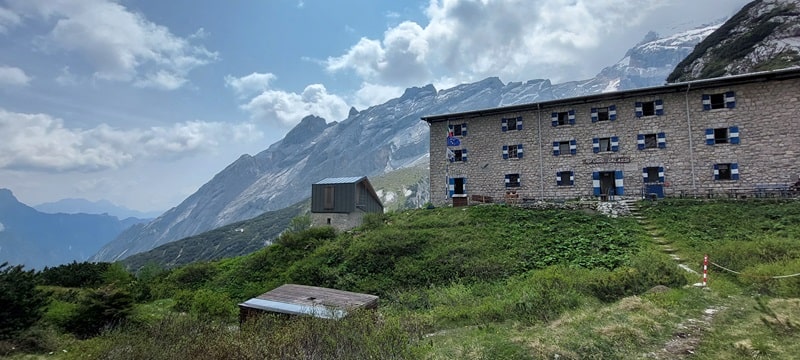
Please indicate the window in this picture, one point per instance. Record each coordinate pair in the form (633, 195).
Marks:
(457, 186)
(565, 178)
(719, 101)
(726, 171)
(565, 147)
(512, 151)
(563, 118)
(650, 108)
(651, 141)
(511, 124)
(653, 174)
(722, 135)
(328, 195)
(604, 113)
(457, 155)
(605, 144)
(512, 180)
(458, 129)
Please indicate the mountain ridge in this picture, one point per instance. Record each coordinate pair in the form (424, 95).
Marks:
(369, 142)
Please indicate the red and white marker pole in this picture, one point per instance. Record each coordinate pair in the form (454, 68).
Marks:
(705, 270)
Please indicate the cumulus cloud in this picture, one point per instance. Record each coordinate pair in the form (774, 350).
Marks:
(287, 108)
(13, 76)
(249, 84)
(284, 108)
(8, 20)
(42, 142)
(470, 40)
(119, 44)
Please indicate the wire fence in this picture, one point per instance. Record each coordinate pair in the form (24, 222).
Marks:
(765, 277)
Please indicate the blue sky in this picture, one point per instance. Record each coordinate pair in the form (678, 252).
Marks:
(140, 102)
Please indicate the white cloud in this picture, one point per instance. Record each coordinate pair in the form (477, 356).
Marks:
(471, 40)
(119, 44)
(42, 142)
(13, 76)
(249, 84)
(371, 94)
(286, 109)
(8, 20)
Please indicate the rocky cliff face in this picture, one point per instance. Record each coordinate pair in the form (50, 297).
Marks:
(764, 35)
(372, 142)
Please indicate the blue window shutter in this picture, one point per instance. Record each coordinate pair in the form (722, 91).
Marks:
(706, 102)
(464, 155)
(596, 183)
(504, 124)
(644, 174)
(595, 145)
(730, 100)
(519, 123)
(594, 114)
(661, 174)
(554, 119)
(716, 172)
(519, 151)
(558, 178)
(619, 189)
(508, 180)
(638, 110)
(733, 134)
(571, 178)
(640, 141)
(735, 171)
(573, 147)
(451, 186)
(614, 143)
(571, 116)
(464, 129)
(662, 140)
(659, 107)
(612, 112)
(556, 147)
(709, 136)
(505, 152)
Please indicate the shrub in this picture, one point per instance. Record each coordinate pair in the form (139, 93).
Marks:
(213, 304)
(21, 303)
(100, 309)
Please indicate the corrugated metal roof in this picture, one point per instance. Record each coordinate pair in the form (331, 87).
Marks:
(340, 180)
(317, 310)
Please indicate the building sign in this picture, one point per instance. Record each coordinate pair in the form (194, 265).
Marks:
(607, 160)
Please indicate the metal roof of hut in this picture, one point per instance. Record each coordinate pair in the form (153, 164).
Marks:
(315, 301)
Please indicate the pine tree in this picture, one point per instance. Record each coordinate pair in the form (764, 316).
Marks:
(21, 303)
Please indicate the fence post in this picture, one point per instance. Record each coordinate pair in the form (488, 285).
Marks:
(705, 270)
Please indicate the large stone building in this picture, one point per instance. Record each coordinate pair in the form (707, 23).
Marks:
(713, 136)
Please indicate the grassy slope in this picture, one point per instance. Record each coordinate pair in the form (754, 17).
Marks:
(236, 239)
(495, 282)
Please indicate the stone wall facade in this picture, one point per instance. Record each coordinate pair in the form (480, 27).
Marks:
(340, 221)
(764, 111)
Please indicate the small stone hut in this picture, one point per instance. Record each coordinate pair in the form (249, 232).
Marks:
(342, 202)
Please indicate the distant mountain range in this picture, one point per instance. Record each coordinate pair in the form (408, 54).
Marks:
(78, 206)
(375, 141)
(36, 239)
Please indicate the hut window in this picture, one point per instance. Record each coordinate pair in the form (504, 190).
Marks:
(328, 205)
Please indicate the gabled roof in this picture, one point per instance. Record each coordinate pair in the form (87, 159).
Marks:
(311, 300)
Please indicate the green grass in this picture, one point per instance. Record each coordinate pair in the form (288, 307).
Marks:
(487, 282)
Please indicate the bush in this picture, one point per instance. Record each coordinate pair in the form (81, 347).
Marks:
(100, 309)
(212, 304)
(21, 303)
(647, 270)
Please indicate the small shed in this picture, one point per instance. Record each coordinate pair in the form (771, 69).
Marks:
(293, 300)
(342, 202)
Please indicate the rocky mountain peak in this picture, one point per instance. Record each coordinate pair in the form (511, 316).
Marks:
(308, 128)
(417, 92)
(764, 35)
